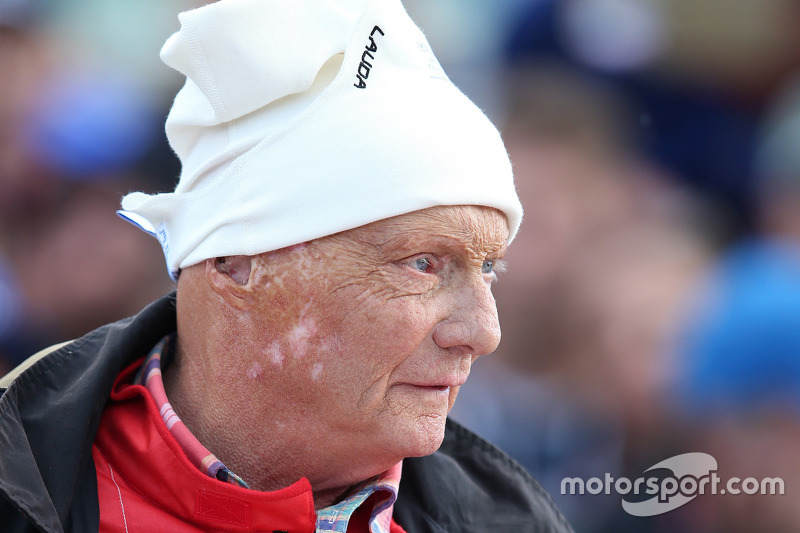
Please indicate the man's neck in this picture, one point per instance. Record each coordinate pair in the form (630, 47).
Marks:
(219, 417)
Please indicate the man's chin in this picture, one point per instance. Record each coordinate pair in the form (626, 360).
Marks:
(416, 425)
(425, 436)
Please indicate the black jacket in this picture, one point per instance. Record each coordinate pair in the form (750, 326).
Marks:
(49, 417)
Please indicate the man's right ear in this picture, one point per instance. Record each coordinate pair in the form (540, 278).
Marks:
(229, 277)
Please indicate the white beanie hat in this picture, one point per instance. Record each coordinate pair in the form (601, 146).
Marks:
(300, 119)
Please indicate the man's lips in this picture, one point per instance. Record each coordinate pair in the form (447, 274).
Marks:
(441, 383)
(437, 388)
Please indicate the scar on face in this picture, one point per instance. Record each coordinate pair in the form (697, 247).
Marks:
(255, 370)
(316, 370)
(274, 354)
(302, 333)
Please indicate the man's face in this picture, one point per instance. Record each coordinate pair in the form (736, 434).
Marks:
(368, 334)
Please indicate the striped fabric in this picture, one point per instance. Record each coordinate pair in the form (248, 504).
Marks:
(150, 377)
(331, 519)
(336, 517)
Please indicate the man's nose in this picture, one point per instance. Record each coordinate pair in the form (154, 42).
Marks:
(472, 326)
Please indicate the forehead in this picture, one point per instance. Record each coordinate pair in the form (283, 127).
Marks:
(478, 228)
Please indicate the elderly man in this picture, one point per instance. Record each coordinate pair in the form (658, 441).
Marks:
(334, 236)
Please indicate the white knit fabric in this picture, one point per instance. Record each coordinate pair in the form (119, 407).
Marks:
(301, 118)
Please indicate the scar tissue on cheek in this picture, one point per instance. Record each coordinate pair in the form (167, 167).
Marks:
(316, 371)
(255, 371)
(274, 354)
(299, 337)
(301, 334)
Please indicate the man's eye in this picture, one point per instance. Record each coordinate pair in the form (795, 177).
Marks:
(493, 267)
(423, 264)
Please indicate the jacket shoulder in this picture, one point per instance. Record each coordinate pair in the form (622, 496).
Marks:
(6, 380)
(58, 396)
(470, 485)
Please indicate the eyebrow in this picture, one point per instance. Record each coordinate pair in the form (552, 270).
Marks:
(411, 239)
(420, 239)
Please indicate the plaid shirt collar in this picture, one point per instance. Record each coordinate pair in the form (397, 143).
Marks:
(333, 519)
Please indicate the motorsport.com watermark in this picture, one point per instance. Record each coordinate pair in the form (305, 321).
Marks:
(693, 474)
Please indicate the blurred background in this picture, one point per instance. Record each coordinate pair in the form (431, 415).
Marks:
(651, 305)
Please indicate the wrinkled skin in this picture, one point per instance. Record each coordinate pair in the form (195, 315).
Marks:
(335, 359)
